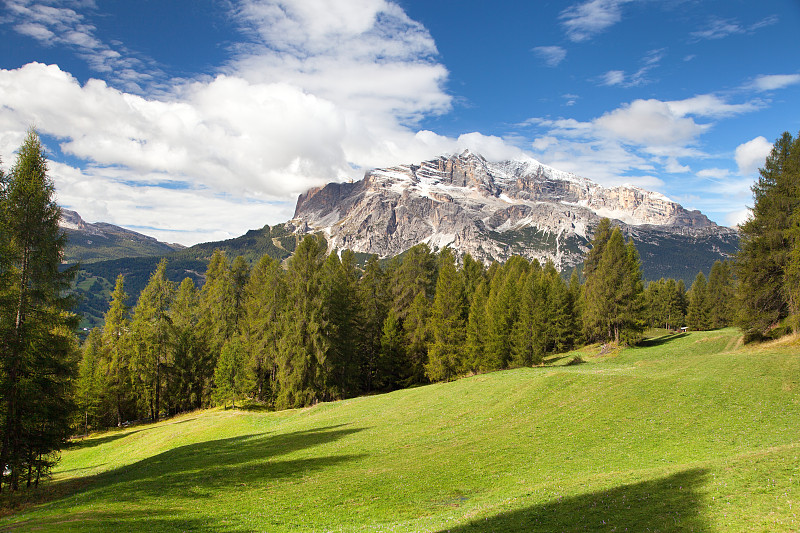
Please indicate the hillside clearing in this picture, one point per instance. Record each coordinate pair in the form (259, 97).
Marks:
(686, 433)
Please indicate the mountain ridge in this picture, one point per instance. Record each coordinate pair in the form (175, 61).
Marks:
(476, 206)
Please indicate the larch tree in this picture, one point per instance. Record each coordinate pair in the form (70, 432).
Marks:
(151, 331)
(766, 241)
(117, 352)
(38, 352)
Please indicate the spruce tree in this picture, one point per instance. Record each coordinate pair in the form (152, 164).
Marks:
(373, 308)
(90, 386)
(720, 295)
(230, 374)
(190, 360)
(475, 349)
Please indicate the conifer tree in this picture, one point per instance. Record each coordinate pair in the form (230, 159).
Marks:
(230, 374)
(393, 354)
(304, 343)
(90, 379)
(720, 295)
(447, 322)
(190, 359)
(38, 352)
(151, 330)
(373, 304)
(117, 352)
(699, 312)
(475, 350)
(264, 303)
(502, 310)
(766, 241)
(613, 292)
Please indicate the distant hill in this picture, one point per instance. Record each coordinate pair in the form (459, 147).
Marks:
(89, 243)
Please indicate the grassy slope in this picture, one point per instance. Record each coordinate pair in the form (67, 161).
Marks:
(687, 434)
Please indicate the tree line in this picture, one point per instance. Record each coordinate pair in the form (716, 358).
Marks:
(321, 328)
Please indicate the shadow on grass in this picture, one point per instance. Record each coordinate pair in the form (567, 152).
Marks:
(667, 505)
(194, 473)
(78, 444)
(663, 339)
(146, 520)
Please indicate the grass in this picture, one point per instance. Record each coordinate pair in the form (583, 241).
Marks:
(685, 433)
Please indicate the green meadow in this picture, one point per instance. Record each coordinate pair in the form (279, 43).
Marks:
(691, 432)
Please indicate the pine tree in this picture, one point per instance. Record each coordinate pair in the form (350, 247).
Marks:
(475, 349)
(766, 241)
(502, 310)
(38, 352)
(447, 323)
(219, 304)
(393, 354)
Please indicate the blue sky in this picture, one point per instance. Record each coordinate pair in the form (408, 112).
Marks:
(196, 120)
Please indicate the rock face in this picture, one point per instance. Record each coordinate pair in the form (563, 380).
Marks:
(492, 211)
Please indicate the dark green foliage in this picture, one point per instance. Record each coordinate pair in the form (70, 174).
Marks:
(38, 351)
(721, 295)
(373, 308)
(698, 314)
(150, 339)
(230, 375)
(447, 323)
(613, 305)
(188, 386)
(764, 292)
(665, 304)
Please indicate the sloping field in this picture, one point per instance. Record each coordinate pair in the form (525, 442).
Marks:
(689, 433)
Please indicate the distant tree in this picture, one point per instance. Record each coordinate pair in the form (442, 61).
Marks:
(261, 325)
(304, 343)
(393, 354)
(698, 316)
(766, 241)
(373, 308)
(447, 322)
(613, 293)
(475, 349)
(502, 311)
(150, 329)
(218, 300)
(38, 351)
(91, 385)
(720, 295)
(230, 374)
(117, 353)
(187, 385)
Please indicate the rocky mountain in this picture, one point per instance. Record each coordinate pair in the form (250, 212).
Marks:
(89, 243)
(494, 210)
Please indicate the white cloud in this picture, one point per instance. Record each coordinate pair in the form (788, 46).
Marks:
(716, 174)
(738, 217)
(718, 28)
(59, 23)
(650, 123)
(709, 105)
(613, 77)
(551, 55)
(774, 82)
(752, 155)
(583, 21)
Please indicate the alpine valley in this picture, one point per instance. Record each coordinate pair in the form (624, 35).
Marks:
(491, 210)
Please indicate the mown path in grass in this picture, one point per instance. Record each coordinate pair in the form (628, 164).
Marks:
(686, 433)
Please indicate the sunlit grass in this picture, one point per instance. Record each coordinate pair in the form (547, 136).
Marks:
(688, 432)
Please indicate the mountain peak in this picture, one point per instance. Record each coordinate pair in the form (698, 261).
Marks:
(490, 209)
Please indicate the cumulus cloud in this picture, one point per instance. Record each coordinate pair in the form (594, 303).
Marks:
(752, 155)
(585, 20)
(287, 112)
(551, 55)
(650, 123)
